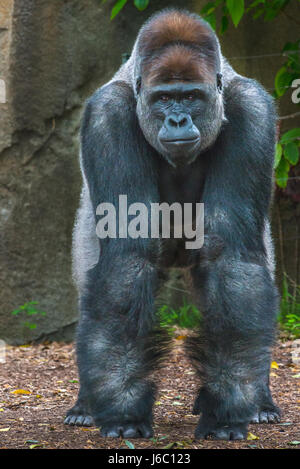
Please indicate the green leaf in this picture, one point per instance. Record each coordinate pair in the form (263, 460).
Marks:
(254, 4)
(129, 444)
(290, 135)
(208, 8)
(170, 445)
(29, 325)
(273, 8)
(236, 10)
(224, 24)
(117, 8)
(15, 312)
(278, 154)
(282, 81)
(258, 13)
(141, 4)
(291, 152)
(211, 19)
(282, 172)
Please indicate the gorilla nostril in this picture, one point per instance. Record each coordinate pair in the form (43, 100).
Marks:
(172, 122)
(177, 121)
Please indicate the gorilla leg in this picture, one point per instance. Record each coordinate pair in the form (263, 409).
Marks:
(86, 251)
(116, 345)
(80, 414)
(266, 412)
(117, 348)
(232, 352)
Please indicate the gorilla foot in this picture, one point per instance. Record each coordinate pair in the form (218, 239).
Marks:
(127, 430)
(79, 416)
(218, 431)
(266, 416)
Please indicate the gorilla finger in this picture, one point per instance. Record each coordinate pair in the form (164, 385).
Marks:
(88, 421)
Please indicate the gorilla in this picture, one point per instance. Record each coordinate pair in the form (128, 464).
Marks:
(177, 124)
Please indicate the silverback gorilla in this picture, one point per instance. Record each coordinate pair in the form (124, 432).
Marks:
(177, 124)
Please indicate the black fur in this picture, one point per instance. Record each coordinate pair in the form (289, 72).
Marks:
(119, 343)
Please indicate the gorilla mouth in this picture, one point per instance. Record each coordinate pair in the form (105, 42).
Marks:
(180, 151)
(179, 141)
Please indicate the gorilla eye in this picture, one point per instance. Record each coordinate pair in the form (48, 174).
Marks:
(164, 98)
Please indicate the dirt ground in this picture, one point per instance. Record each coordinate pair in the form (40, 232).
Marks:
(38, 384)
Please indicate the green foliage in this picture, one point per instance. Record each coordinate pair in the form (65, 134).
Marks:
(119, 5)
(231, 9)
(209, 13)
(287, 155)
(141, 4)
(290, 69)
(236, 9)
(187, 316)
(289, 316)
(117, 8)
(269, 9)
(28, 309)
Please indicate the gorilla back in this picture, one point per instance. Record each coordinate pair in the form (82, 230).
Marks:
(177, 124)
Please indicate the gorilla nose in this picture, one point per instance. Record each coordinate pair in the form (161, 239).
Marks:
(177, 121)
(179, 130)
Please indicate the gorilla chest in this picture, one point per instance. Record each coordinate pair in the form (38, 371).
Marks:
(180, 187)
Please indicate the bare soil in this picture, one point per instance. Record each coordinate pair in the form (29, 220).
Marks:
(38, 384)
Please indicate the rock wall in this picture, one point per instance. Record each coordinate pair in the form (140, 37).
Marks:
(53, 54)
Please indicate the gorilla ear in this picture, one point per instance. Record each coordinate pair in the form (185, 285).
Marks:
(219, 82)
(138, 85)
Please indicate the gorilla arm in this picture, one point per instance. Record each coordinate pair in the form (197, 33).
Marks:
(239, 299)
(239, 181)
(114, 349)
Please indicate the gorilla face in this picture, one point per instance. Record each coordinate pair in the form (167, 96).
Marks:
(180, 119)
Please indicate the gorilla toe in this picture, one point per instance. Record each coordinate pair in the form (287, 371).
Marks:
(129, 430)
(266, 416)
(79, 416)
(79, 420)
(216, 431)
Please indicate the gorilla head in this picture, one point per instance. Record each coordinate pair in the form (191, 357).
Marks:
(178, 86)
